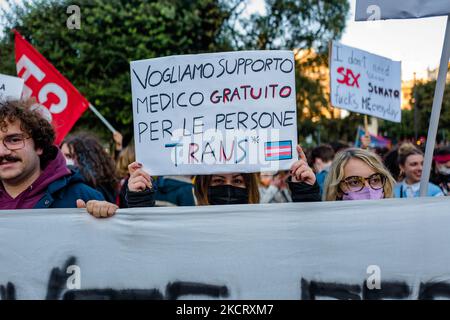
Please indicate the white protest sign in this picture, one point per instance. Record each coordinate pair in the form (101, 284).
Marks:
(219, 112)
(365, 83)
(342, 250)
(10, 87)
(405, 9)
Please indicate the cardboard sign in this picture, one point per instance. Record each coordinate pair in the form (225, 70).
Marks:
(389, 249)
(10, 87)
(405, 9)
(365, 83)
(211, 113)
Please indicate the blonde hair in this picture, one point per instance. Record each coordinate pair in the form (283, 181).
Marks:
(126, 157)
(332, 191)
(406, 150)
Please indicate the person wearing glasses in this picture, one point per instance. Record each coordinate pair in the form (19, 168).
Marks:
(33, 171)
(358, 174)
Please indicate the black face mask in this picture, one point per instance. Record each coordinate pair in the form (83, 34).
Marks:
(227, 194)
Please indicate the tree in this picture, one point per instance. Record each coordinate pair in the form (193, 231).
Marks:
(96, 58)
(303, 25)
(114, 32)
(424, 103)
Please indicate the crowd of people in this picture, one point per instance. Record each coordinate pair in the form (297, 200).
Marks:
(35, 173)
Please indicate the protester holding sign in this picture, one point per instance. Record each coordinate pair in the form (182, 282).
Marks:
(410, 160)
(33, 172)
(215, 113)
(231, 188)
(358, 174)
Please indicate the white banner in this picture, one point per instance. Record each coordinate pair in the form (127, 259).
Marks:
(405, 9)
(393, 249)
(219, 112)
(365, 83)
(10, 87)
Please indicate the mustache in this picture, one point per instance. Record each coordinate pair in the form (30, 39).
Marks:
(9, 158)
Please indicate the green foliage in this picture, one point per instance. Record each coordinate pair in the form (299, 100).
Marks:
(298, 24)
(114, 32)
(96, 59)
(424, 103)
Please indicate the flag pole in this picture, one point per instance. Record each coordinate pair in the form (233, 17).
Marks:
(100, 116)
(436, 111)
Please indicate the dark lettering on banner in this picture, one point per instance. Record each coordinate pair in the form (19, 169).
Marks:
(431, 290)
(389, 290)
(181, 288)
(8, 292)
(310, 290)
(111, 294)
(313, 289)
(58, 280)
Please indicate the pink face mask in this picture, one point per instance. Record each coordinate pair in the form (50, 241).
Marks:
(366, 193)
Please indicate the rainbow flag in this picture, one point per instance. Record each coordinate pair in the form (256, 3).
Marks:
(375, 141)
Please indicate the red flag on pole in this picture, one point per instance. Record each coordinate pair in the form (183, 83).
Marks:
(57, 98)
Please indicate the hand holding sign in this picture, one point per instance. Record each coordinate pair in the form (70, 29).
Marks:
(139, 179)
(300, 170)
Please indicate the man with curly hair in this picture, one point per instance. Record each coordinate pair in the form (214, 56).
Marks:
(33, 171)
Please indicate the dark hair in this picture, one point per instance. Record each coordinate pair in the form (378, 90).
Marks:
(324, 152)
(391, 162)
(94, 163)
(202, 183)
(339, 146)
(442, 151)
(31, 122)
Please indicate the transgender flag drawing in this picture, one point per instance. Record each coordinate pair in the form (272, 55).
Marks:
(278, 150)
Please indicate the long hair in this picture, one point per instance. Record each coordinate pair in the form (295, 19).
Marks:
(202, 183)
(94, 163)
(332, 191)
(126, 156)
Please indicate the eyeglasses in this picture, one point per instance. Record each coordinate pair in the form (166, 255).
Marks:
(15, 141)
(356, 183)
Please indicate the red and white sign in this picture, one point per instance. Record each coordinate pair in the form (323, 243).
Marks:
(57, 98)
(365, 83)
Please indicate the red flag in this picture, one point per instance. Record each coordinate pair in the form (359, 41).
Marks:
(63, 103)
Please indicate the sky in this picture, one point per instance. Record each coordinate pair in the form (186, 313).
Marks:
(417, 43)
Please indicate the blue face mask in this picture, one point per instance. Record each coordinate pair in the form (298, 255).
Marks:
(367, 193)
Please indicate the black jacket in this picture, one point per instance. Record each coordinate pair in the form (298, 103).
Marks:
(139, 199)
(301, 192)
